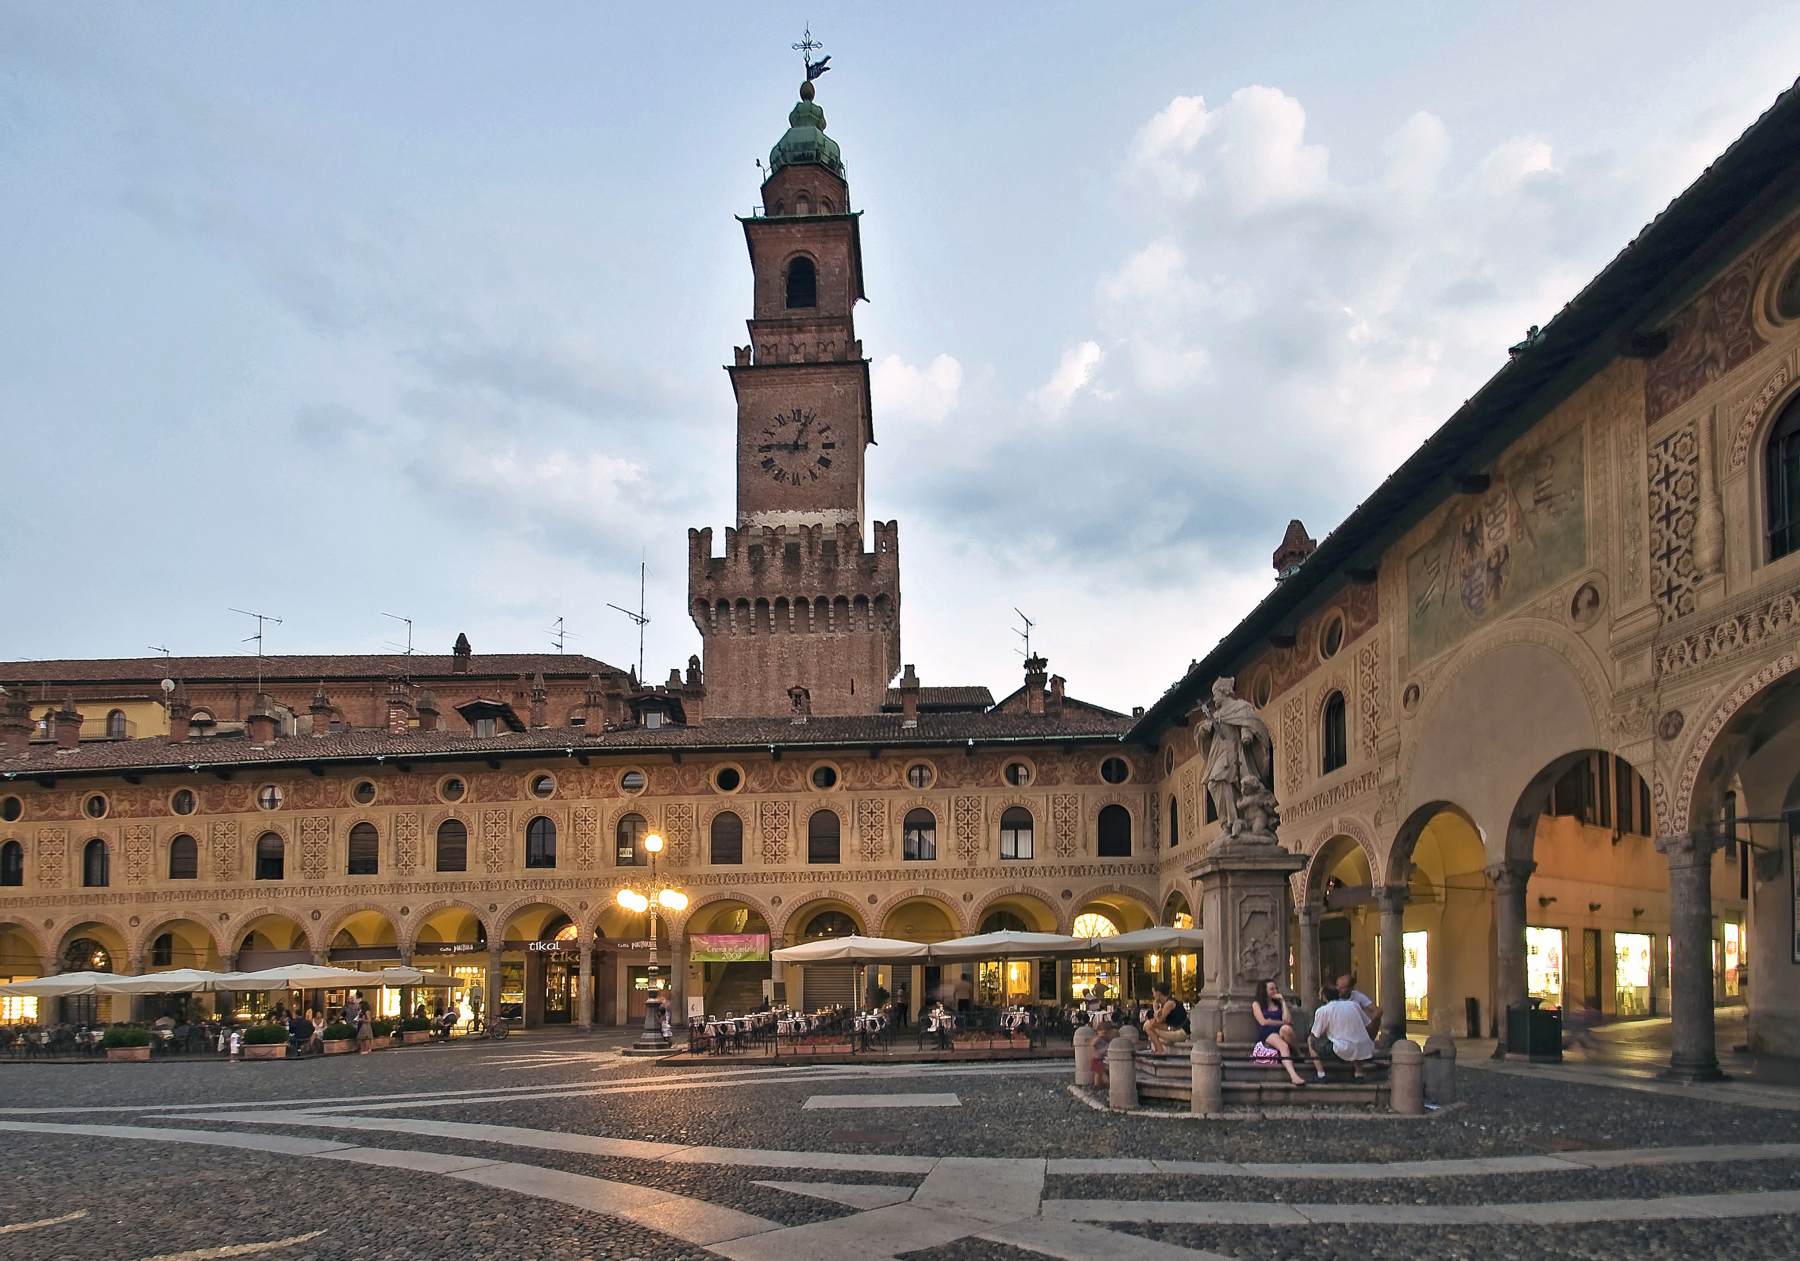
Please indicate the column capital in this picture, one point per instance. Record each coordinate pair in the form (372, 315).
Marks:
(1390, 899)
(1310, 912)
(1687, 849)
(1510, 874)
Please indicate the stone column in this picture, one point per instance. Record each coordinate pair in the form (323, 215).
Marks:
(1390, 899)
(134, 1002)
(224, 1000)
(677, 981)
(1309, 915)
(491, 1011)
(1510, 878)
(1692, 1054)
(584, 985)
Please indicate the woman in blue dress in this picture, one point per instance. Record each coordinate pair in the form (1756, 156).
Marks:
(1274, 1029)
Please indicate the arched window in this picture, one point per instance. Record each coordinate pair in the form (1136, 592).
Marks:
(540, 843)
(115, 725)
(1334, 737)
(1174, 823)
(96, 871)
(822, 837)
(1114, 832)
(629, 838)
(1015, 833)
(453, 845)
(725, 839)
(918, 836)
(802, 283)
(829, 924)
(1781, 458)
(365, 850)
(12, 863)
(184, 858)
(271, 856)
(1004, 921)
(162, 950)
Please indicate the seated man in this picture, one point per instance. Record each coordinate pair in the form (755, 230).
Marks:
(1168, 1023)
(1338, 1031)
(300, 1032)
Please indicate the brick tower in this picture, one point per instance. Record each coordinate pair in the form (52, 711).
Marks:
(796, 600)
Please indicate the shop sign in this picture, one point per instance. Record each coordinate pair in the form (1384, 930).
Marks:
(550, 947)
(727, 947)
(446, 948)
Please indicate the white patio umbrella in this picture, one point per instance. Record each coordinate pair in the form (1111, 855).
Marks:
(172, 981)
(62, 985)
(1144, 940)
(297, 976)
(402, 975)
(1009, 944)
(850, 949)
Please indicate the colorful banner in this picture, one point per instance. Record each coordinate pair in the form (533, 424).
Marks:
(727, 947)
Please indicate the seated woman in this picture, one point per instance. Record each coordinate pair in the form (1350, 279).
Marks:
(1274, 1029)
(1168, 1023)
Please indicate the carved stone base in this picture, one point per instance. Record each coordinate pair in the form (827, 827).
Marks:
(1243, 899)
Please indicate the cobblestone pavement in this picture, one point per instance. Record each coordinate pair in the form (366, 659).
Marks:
(556, 1147)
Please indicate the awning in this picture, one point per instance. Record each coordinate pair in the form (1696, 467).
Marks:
(62, 985)
(849, 949)
(297, 976)
(172, 981)
(411, 976)
(1008, 944)
(1166, 940)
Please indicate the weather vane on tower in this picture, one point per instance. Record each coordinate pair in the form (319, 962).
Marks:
(806, 47)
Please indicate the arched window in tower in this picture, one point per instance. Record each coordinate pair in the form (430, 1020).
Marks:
(271, 856)
(540, 843)
(12, 864)
(1113, 832)
(184, 858)
(453, 845)
(1174, 823)
(365, 851)
(725, 839)
(1335, 736)
(1782, 474)
(95, 868)
(822, 837)
(802, 283)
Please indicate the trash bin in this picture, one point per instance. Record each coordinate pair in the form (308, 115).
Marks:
(1534, 1032)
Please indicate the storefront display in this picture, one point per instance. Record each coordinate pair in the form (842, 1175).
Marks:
(1546, 953)
(1415, 971)
(1734, 958)
(1631, 974)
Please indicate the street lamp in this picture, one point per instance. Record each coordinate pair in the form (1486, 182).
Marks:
(651, 1040)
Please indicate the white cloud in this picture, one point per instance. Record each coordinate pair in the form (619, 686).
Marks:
(928, 394)
(1074, 373)
(1252, 148)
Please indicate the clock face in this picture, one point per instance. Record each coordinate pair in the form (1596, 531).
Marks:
(796, 448)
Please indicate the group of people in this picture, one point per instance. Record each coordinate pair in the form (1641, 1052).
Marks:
(306, 1031)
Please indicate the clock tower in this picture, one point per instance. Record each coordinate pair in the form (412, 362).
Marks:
(797, 601)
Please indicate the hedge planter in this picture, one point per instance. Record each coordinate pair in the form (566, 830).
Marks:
(128, 1054)
(339, 1046)
(382, 1044)
(414, 1037)
(266, 1051)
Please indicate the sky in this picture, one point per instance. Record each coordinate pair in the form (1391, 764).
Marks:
(342, 310)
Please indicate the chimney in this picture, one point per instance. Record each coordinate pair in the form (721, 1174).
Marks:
(428, 710)
(261, 721)
(694, 677)
(540, 701)
(801, 700)
(909, 697)
(321, 711)
(399, 709)
(1055, 704)
(460, 654)
(1296, 546)
(1037, 671)
(66, 725)
(15, 725)
(179, 709)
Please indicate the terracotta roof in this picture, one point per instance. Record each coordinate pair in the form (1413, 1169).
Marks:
(942, 698)
(861, 732)
(291, 668)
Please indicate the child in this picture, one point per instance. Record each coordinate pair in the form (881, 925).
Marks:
(1104, 1033)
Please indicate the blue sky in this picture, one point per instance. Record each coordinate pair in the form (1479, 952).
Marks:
(337, 310)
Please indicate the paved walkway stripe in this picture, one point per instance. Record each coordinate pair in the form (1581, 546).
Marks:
(506, 1135)
(1540, 1213)
(1076, 1241)
(872, 1236)
(1737, 1093)
(236, 1249)
(1472, 1166)
(76, 1216)
(995, 1190)
(816, 1102)
(853, 1194)
(280, 1144)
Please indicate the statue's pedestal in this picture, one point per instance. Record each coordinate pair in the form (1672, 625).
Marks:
(1244, 901)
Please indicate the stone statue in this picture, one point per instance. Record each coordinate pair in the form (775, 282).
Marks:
(1240, 765)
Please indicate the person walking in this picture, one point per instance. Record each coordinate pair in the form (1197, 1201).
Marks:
(365, 1032)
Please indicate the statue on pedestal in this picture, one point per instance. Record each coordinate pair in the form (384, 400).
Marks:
(1240, 765)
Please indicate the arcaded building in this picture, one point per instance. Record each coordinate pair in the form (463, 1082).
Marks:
(1534, 708)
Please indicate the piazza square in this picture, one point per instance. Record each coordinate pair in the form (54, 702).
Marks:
(1444, 903)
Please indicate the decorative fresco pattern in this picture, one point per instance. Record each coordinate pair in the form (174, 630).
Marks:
(1674, 505)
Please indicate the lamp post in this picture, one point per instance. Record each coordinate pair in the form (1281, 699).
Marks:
(652, 1041)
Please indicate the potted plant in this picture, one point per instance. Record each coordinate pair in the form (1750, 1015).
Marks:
(340, 1038)
(383, 1031)
(266, 1042)
(415, 1029)
(126, 1043)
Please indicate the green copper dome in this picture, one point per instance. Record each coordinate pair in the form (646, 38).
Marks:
(806, 140)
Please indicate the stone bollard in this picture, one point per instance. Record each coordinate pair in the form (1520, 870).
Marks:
(1129, 1033)
(1406, 1078)
(1440, 1069)
(1208, 1069)
(1121, 1074)
(1084, 1056)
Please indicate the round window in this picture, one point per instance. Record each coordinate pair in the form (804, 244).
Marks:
(11, 808)
(1114, 770)
(95, 806)
(728, 779)
(363, 792)
(1018, 774)
(543, 786)
(1169, 760)
(1332, 638)
(1787, 294)
(920, 775)
(824, 777)
(632, 781)
(453, 789)
(1261, 690)
(270, 797)
(182, 801)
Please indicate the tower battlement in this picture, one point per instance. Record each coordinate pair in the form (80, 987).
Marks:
(810, 559)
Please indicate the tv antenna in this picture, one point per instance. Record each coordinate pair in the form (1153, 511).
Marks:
(559, 636)
(261, 620)
(408, 646)
(639, 617)
(159, 648)
(1024, 634)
